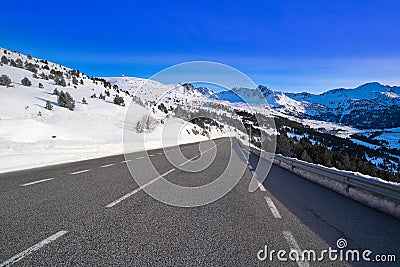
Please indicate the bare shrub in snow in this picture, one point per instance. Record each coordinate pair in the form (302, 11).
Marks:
(147, 123)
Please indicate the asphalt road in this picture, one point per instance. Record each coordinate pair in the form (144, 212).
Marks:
(93, 213)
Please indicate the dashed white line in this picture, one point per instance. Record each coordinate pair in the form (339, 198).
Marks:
(199, 155)
(125, 161)
(36, 182)
(78, 172)
(140, 158)
(35, 247)
(151, 155)
(188, 160)
(260, 185)
(294, 246)
(112, 204)
(108, 165)
(247, 161)
(273, 208)
(159, 153)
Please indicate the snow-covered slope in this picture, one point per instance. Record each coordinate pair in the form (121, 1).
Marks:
(376, 92)
(32, 135)
(263, 96)
(368, 106)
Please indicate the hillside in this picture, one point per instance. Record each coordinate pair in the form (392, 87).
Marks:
(32, 135)
(51, 114)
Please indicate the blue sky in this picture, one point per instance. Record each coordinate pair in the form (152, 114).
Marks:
(287, 45)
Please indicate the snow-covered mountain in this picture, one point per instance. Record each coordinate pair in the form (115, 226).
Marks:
(368, 106)
(37, 129)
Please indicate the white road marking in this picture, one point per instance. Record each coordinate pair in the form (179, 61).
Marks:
(36, 182)
(260, 185)
(108, 165)
(159, 153)
(112, 204)
(241, 151)
(78, 172)
(188, 160)
(200, 154)
(273, 208)
(140, 158)
(125, 161)
(294, 246)
(39, 245)
(151, 155)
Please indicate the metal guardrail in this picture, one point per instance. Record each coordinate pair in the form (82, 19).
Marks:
(375, 187)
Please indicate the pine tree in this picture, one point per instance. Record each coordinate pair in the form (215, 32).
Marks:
(26, 82)
(306, 157)
(29, 66)
(119, 100)
(74, 80)
(5, 80)
(84, 101)
(41, 85)
(60, 81)
(65, 100)
(19, 63)
(12, 63)
(4, 60)
(55, 92)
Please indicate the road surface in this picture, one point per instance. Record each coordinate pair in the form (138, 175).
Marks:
(92, 213)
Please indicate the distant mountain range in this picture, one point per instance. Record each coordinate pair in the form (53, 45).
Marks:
(369, 106)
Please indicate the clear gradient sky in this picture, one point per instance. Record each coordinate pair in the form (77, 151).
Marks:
(287, 45)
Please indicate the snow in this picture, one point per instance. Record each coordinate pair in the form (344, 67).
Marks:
(92, 130)
(335, 97)
(96, 129)
(362, 143)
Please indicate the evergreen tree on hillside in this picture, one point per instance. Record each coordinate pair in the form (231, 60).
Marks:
(60, 81)
(74, 80)
(26, 82)
(12, 63)
(19, 63)
(65, 100)
(4, 60)
(119, 100)
(31, 67)
(5, 80)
